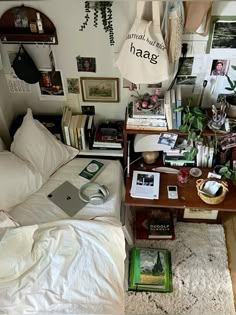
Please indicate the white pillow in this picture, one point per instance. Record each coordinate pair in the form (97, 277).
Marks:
(35, 144)
(6, 220)
(2, 145)
(17, 180)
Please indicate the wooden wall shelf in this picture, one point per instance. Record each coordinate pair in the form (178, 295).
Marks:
(10, 34)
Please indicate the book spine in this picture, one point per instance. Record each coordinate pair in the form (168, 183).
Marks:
(168, 110)
(134, 127)
(173, 106)
(178, 104)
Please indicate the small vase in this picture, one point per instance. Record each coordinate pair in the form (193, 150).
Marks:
(183, 176)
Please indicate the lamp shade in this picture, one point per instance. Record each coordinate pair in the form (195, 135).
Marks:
(149, 142)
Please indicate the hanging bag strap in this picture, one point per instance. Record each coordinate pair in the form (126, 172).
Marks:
(156, 13)
(140, 9)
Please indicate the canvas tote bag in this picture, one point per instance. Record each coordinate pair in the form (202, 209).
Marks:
(143, 58)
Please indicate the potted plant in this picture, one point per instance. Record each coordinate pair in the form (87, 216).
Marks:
(193, 123)
(226, 172)
(105, 9)
(231, 98)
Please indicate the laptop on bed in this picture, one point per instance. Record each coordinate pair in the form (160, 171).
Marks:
(66, 197)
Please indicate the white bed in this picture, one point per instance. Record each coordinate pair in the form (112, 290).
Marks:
(39, 209)
(62, 267)
(50, 262)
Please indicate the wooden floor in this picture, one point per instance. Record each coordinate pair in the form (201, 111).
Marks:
(229, 223)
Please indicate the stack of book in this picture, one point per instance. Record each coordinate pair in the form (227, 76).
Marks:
(77, 129)
(176, 156)
(147, 119)
(206, 152)
(154, 224)
(109, 136)
(150, 270)
(173, 100)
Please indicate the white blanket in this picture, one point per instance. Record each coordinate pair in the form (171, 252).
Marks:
(39, 209)
(66, 266)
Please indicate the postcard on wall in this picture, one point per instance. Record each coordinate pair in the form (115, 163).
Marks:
(51, 85)
(73, 85)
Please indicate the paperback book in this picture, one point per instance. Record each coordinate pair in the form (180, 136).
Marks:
(155, 224)
(145, 185)
(150, 270)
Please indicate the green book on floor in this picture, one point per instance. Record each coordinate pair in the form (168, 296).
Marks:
(150, 270)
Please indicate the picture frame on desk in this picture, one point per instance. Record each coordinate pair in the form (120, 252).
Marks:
(199, 215)
(100, 89)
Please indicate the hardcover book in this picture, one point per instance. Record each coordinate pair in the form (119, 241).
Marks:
(155, 224)
(150, 270)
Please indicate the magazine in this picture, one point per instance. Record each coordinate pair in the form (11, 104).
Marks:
(150, 270)
(145, 185)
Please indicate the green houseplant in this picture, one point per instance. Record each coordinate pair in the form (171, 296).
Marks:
(193, 123)
(226, 172)
(105, 9)
(231, 98)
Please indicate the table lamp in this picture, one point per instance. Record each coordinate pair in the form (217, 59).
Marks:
(149, 146)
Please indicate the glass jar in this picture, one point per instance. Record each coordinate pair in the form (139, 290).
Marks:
(183, 176)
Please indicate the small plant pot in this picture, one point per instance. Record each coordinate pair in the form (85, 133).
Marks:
(231, 105)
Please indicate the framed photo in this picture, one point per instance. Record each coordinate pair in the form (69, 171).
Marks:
(200, 214)
(222, 33)
(51, 85)
(219, 67)
(100, 89)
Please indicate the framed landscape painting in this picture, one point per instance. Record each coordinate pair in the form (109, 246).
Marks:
(100, 89)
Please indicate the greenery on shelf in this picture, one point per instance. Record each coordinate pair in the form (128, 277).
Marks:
(193, 123)
(232, 84)
(105, 9)
(226, 172)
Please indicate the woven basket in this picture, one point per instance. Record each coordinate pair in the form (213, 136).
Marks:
(212, 200)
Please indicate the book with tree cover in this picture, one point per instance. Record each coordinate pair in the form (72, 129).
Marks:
(150, 270)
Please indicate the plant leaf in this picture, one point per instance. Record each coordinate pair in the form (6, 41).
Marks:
(233, 67)
(179, 109)
(229, 89)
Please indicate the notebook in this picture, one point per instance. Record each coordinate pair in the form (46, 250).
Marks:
(66, 197)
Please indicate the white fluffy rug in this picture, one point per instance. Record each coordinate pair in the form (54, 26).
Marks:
(201, 278)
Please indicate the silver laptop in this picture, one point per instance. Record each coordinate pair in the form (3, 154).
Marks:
(67, 198)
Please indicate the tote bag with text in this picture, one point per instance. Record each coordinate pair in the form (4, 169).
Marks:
(143, 58)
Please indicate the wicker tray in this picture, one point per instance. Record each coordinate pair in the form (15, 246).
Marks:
(212, 200)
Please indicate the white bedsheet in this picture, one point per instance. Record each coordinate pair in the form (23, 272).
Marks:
(39, 209)
(66, 266)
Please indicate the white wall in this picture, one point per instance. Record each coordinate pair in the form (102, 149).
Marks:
(67, 17)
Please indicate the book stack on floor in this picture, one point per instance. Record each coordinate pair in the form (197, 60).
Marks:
(109, 136)
(77, 129)
(147, 119)
(150, 270)
(154, 224)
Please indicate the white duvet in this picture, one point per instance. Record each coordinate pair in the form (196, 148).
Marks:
(39, 209)
(66, 266)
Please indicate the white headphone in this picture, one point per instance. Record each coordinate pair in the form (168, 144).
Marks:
(96, 198)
